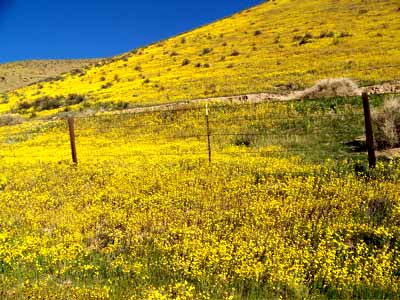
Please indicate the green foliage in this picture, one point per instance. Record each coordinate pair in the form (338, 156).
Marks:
(206, 51)
(235, 52)
(107, 85)
(3, 98)
(49, 103)
(379, 209)
(244, 140)
(185, 62)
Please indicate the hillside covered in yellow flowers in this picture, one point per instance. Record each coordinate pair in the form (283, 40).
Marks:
(276, 46)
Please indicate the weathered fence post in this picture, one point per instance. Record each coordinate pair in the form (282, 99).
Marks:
(71, 128)
(208, 135)
(369, 134)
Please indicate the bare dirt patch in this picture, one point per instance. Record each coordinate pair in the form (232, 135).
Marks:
(386, 88)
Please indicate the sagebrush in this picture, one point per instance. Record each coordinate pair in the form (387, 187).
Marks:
(387, 124)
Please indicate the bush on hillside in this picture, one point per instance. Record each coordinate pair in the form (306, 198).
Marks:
(206, 51)
(49, 103)
(3, 98)
(235, 53)
(77, 72)
(73, 99)
(107, 85)
(48, 79)
(326, 34)
(185, 62)
(344, 34)
(387, 124)
(336, 87)
(303, 39)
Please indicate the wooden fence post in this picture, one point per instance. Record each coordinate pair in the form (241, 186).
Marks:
(208, 135)
(71, 128)
(369, 134)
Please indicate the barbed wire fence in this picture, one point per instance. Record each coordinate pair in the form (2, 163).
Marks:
(208, 132)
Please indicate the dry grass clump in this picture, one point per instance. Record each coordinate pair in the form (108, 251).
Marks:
(10, 119)
(331, 87)
(387, 124)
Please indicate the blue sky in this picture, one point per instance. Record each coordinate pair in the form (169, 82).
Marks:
(43, 29)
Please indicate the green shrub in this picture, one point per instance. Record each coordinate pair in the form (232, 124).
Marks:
(244, 140)
(73, 99)
(49, 103)
(3, 98)
(326, 34)
(77, 72)
(235, 53)
(24, 105)
(121, 105)
(185, 62)
(379, 209)
(206, 51)
(107, 85)
(336, 41)
(344, 34)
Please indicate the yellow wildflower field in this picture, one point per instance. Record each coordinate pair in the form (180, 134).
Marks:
(145, 216)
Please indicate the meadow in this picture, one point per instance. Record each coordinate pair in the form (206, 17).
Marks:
(284, 210)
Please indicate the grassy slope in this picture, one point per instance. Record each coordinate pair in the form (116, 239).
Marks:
(22, 73)
(365, 47)
(312, 129)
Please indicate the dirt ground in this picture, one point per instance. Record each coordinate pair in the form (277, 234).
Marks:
(386, 88)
